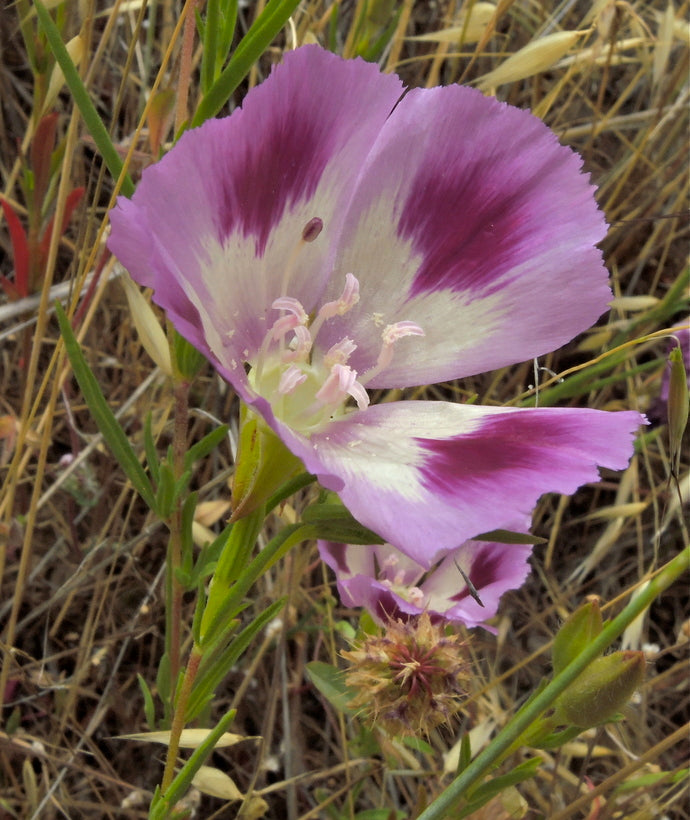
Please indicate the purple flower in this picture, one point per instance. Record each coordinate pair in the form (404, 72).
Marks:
(390, 585)
(331, 237)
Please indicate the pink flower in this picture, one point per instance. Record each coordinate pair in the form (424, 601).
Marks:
(334, 236)
(390, 585)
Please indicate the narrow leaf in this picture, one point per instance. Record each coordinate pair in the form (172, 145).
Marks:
(110, 429)
(274, 16)
(82, 99)
(184, 778)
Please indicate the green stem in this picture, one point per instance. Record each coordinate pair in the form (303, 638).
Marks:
(175, 589)
(487, 759)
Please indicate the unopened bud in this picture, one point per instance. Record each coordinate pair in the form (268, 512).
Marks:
(188, 360)
(576, 633)
(602, 689)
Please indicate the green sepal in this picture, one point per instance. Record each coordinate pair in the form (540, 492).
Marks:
(554, 740)
(263, 464)
(578, 631)
(187, 360)
(605, 687)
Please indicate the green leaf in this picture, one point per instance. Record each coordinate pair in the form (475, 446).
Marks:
(165, 492)
(499, 783)
(82, 100)
(330, 681)
(208, 557)
(465, 755)
(508, 537)
(150, 449)
(334, 522)
(164, 804)
(266, 26)
(214, 669)
(207, 445)
(149, 706)
(418, 745)
(163, 679)
(555, 740)
(110, 429)
(223, 604)
(651, 779)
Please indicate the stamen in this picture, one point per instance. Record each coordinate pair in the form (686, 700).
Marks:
(293, 306)
(347, 300)
(300, 347)
(340, 352)
(390, 562)
(391, 334)
(341, 382)
(290, 378)
(282, 326)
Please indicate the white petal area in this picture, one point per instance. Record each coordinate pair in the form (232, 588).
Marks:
(427, 476)
(470, 220)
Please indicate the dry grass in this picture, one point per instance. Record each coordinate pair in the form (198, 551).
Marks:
(81, 605)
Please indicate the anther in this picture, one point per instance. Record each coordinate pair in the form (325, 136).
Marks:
(312, 229)
(340, 352)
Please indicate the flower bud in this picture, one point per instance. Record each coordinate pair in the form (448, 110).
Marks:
(576, 633)
(188, 360)
(601, 690)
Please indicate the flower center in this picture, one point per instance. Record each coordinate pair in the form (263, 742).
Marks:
(307, 388)
(397, 580)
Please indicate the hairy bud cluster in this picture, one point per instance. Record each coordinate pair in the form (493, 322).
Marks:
(409, 680)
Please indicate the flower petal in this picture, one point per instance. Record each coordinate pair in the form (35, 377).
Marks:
(411, 471)
(472, 221)
(376, 577)
(216, 227)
